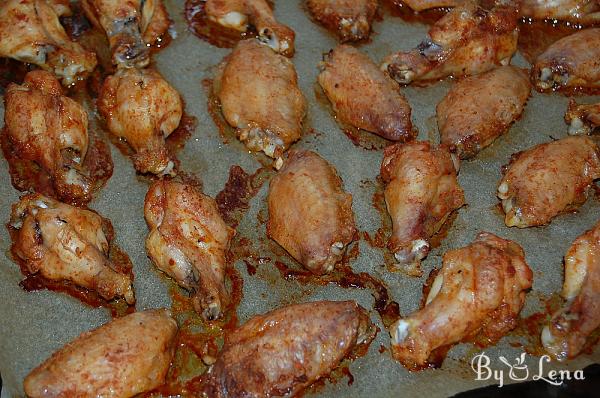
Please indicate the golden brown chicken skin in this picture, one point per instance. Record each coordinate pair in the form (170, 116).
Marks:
(131, 27)
(259, 96)
(349, 19)
(285, 350)
(566, 334)
(480, 289)
(310, 215)
(188, 240)
(123, 358)
(66, 243)
(141, 107)
(466, 41)
(582, 119)
(478, 109)
(578, 11)
(30, 32)
(363, 96)
(421, 191)
(569, 63)
(422, 5)
(47, 127)
(238, 14)
(548, 179)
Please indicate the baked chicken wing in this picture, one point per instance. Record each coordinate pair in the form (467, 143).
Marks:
(286, 350)
(571, 62)
(349, 19)
(259, 95)
(478, 109)
(188, 240)
(310, 215)
(30, 31)
(421, 192)
(66, 243)
(238, 14)
(363, 96)
(566, 334)
(480, 289)
(123, 358)
(141, 107)
(583, 119)
(50, 129)
(131, 27)
(466, 41)
(578, 11)
(422, 5)
(548, 179)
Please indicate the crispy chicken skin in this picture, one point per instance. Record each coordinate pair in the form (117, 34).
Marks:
(578, 11)
(478, 109)
(422, 5)
(259, 95)
(571, 62)
(466, 41)
(365, 97)
(565, 336)
(141, 107)
(480, 289)
(349, 19)
(285, 350)
(30, 32)
(238, 14)
(188, 240)
(548, 179)
(66, 243)
(50, 129)
(421, 191)
(310, 215)
(582, 119)
(125, 357)
(131, 27)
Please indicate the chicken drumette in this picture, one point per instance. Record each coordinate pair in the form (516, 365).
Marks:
(238, 14)
(478, 109)
(286, 350)
(466, 41)
(188, 240)
(349, 19)
(141, 107)
(583, 119)
(548, 179)
(30, 31)
(259, 95)
(121, 359)
(567, 332)
(578, 11)
(310, 215)
(365, 97)
(131, 27)
(421, 192)
(479, 290)
(421, 5)
(66, 243)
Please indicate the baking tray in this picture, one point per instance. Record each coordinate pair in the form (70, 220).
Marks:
(34, 324)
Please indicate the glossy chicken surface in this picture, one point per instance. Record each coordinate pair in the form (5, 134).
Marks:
(188, 240)
(47, 127)
(583, 119)
(349, 19)
(238, 14)
(466, 41)
(578, 11)
(285, 350)
(124, 357)
(30, 32)
(479, 290)
(259, 95)
(571, 62)
(421, 191)
(66, 243)
(310, 214)
(363, 96)
(421, 5)
(478, 109)
(548, 179)
(141, 107)
(566, 334)
(130, 26)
